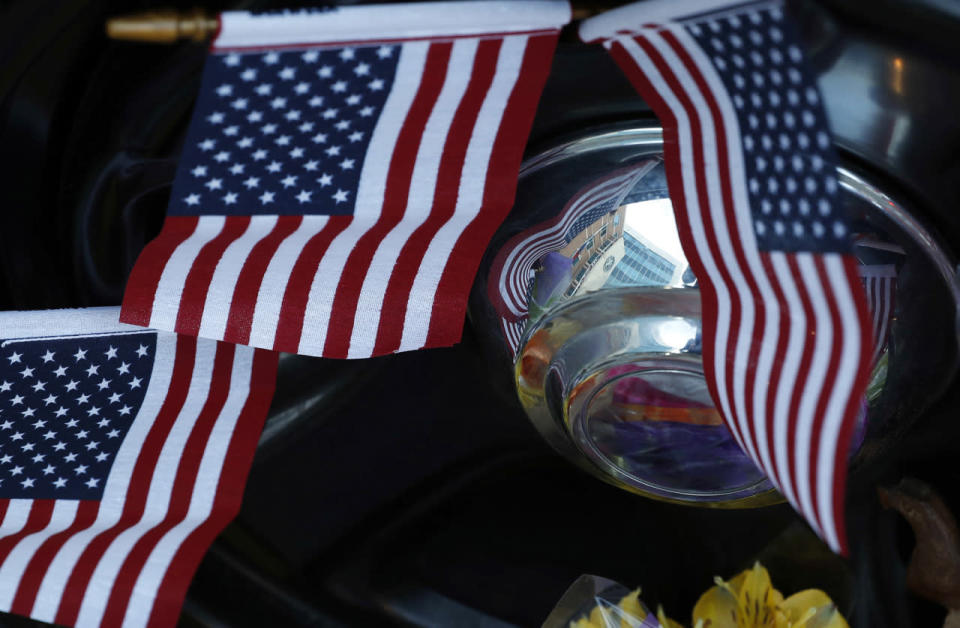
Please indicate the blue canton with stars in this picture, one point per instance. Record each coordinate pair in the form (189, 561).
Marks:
(282, 132)
(65, 407)
(788, 156)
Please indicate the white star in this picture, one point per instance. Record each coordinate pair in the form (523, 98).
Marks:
(71, 423)
(311, 165)
(14, 357)
(232, 59)
(47, 357)
(16, 436)
(221, 157)
(141, 351)
(82, 399)
(278, 103)
(192, 199)
(342, 125)
(347, 164)
(292, 115)
(49, 399)
(333, 151)
(60, 371)
(93, 370)
(199, 171)
(214, 184)
(254, 116)
(59, 446)
(268, 129)
(356, 136)
(207, 144)
(249, 74)
(273, 166)
(17, 470)
(91, 445)
(340, 196)
(113, 434)
(266, 197)
(283, 140)
(304, 196)
(135, 382)
(92, 482)
(320, 138)
(236, 169)
(27, 483)
(81, 469)
(330, 114)
(339, 87)
(264, 89)
(29, 412)
(38, 458)
(60, 412)
(102, 456)
(103, 423)
(310, 56)
(59, 483)
(6, 459)
(224, 90)
(325, 180)
(124, 368)
(252, 182)
(296, 152)
(17, 400)
(289, 181)
(38, 386)
(230, 198)
(231, 130)
(316, 101)
(5, 386)
(38, 424)
(6, 425)
(306, 127)
(50, 434)
(302, 88)
(347, 54)
(82, 434)
(27, 372)
(362, 69)
(124, 411)
(287, 73)
(104, 383)
(47, 470)
(384, 51)
(366, 111)
(270, 58)
(375, 85)
(259, 154)
(70, 457)
(215, 118)
(353, 99)
(27, 447)
(71, 385)
(325, 72)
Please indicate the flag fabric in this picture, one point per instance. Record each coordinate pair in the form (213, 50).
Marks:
(880, 285)
(342, 174)
(513, 268)
(123, 453)
(751, 173)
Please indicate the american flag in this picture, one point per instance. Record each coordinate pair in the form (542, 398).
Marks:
(123, 453)
(751, 173)
(512, 269)
(880, 285)
(342, 174)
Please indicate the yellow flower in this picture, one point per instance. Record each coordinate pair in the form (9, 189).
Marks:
(750, 601)
(629, 613)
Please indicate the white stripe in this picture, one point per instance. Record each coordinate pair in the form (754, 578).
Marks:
(715, 207)
(473, 180)
(101, 582)
(378, 22)
(62, 517)
(115, 490)
(842, 386)
(782, 411)
(266, 315)
(813, 385)
(748, 244)
(420, 199)
(216, 308)
(610, 24)
(16, 517)
(204, 493)
(370, 196)
(166, 300)
(39, 325)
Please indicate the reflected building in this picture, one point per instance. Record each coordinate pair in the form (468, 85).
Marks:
(594, 252)
(642, 264)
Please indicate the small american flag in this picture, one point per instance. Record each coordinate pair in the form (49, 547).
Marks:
(880, 285)
(123, 453)
(512, 270)
(751, 173)
(342, 174)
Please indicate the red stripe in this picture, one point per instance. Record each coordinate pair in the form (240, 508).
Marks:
(444, 201)
(41, 510)
(836, 351)
(450, 300)
(730, 210)
(803, 373)
(243, 444)
(394, 202)
(183, 486)
(139, 486)
(145, 276)
(852, 409)
(295, 297)
(244, 303)
(699, 167)
(197, 283)
(36, 570)
(783, 337)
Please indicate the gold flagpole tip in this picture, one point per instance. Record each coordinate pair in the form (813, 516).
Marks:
(163, 26)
